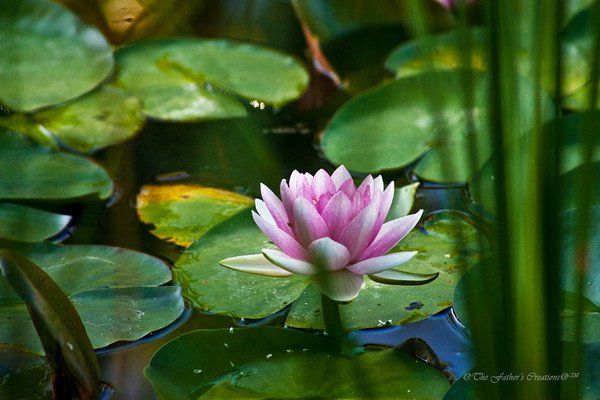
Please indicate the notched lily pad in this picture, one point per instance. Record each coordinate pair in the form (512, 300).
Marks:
(117, 293)
(188, 79)
(447, 244)
(183, 213)
(220, 290)
(49, 55)
(268, 362)
(32, 171)
(422, 115)
(212, 287)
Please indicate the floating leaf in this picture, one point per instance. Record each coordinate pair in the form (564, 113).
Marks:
(447, 51)
(183, 213)
(573, 128)
(26, 224)
(268, 362)
(116, 292)
(446, 245)
(48, 55)
(210, 286)
(103, 118)
(32, 171)
(591, 310)
(189, 79)
(220, 290)
(395, 124)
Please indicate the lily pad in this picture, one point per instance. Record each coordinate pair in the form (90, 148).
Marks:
(117, 293)
(591, 306)
(49, 55)
(103, 118)
(223, 291)
(32, 171)
(395, 124)
(211, 287)
(448, 51)
(26, 224)
(447, 243)
(573, 127)
(188, 79)
(270, 362)
(183, 213)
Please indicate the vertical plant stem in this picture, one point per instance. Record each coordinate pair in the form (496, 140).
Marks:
(332, 319)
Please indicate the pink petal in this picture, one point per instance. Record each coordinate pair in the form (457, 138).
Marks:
(390, 234)
(327, 254)
(276, 208)
(323, 200)
(322, 183)
(287, 199)
(254, 264)
(289, 264)
(337, 214)
(386, 201)
(340, 176)
(381, 263)
(357, 233)
(378, 184)
(263, 211)
(281, 239)
(366, 186)
(309, 225)
(348, 188)
(342, 286)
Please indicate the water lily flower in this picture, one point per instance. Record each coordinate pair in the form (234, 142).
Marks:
(329, 229)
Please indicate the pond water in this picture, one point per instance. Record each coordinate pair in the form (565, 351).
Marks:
(236, 155)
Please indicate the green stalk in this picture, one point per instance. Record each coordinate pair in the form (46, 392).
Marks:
(332, 319)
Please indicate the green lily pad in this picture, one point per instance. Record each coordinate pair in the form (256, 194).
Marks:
(212, 287)
(270, 362)
(447, 244)
(591, 306)
(116, 292)
(573, 127)
(447, 51)
(103, 118)
(189, 79)
(395, 124)
(32, 171)
(49, 55)
(24, 374)
(183, 213)
(26, 224)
